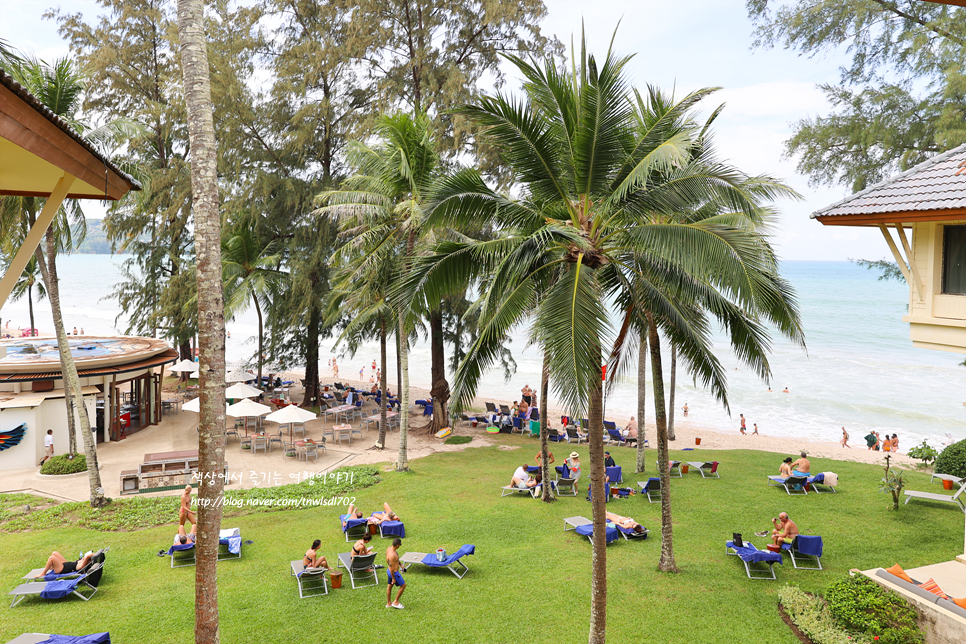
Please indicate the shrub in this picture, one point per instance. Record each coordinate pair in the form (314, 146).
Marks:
(952, 460)
(63, 465)
(925, 452)
(458, 440)
(811, 615)
(861, 605)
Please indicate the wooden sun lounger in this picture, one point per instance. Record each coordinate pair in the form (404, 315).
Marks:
(310, 580)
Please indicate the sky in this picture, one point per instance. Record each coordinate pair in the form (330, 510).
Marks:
(681, 45)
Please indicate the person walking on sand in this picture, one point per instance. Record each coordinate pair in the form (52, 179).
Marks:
(755, 433)
(845, 439)
(362, 374)
(335, 368)
(743, 427)
(394, 574)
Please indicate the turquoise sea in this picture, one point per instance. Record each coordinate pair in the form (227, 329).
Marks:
(859, 370)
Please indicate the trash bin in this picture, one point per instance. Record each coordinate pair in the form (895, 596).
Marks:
(335, 576)
(684, 469)
(373, 529)
(697, 441)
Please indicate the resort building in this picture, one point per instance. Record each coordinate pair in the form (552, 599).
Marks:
(120, 380)
(922, 216)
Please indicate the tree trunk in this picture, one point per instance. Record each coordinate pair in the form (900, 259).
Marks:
(68, 384)
(670, 397)
(402, 464)
(30, 306)
(398, 363)
(641, 401)
(440, 388)
(660, 419)
(383, 417)
(261, 339)
(211, 313)
(544, 424)
(598, 574)
(312, 397)
(72, 388)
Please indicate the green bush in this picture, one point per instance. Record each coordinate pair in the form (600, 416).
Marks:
(63, 465)
(458, 440)
(952, 460)
(925, 452)
(811, 615)
(861, 605)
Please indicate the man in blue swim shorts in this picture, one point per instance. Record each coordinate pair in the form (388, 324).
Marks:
(394, 574)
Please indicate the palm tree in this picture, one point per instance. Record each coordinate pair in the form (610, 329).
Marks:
(25, 287)
(249, 269)
(60, 86)
(211, 315)
(383, 208)
(586, 229)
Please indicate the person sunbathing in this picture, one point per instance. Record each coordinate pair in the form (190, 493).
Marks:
(386, 515)
(625, 522)
(313, 559)
(58, 564)
(182, 538)
(785, 469)
(353, 513)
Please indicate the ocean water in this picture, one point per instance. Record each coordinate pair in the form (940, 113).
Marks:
(859, 368)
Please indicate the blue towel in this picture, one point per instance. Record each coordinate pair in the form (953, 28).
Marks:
(655, 480)
(180, 547)
(630, 531)
(428, 409)
(614, 473)
(351, 523)
(393, 529)
(60, 588)
(811, 546)
(233, 543)
(587, 530)
(751, 554)
(52, 576)
(465, 549)
(96, 638)
(818, 478)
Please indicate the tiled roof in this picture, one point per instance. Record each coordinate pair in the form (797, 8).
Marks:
(7, 81)
(936, 184)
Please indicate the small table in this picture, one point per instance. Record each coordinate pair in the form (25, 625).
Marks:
(301, 445)
(342, 431)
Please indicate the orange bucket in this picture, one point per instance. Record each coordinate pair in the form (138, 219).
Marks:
(373, 529)
(947, 485)
(697, 441)
(684, 469)
(335, 576)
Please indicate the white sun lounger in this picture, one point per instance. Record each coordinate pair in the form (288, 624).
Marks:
(957, 498)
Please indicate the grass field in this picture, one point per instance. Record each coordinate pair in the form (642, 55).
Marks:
(528, 581)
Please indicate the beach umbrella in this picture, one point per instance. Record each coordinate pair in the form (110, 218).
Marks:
(247, 408)
(195, 405)
(291, 414)
(186, 366)
(241, 390)
(239, 375)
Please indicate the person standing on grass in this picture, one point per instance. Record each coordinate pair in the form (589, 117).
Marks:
(394, 574)
(48, 446)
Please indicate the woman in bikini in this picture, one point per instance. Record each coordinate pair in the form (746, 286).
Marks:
(58, 564)
(312, 559)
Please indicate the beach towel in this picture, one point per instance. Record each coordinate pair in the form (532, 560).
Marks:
(58, 589)
(751, 554)
(831, 478)
(588, 530)
(630, 531)
(614, 473)
(811, 546)
(392, 528)
(96, 638)
(351, 522)
(52, 576)
(233, 542)
(465, 549)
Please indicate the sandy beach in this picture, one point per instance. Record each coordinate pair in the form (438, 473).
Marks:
(686, 431)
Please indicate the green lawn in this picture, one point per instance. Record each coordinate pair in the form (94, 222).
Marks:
(528, 582)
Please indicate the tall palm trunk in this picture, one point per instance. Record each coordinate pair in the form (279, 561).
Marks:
(383, 416)
(670, 397)
(261, 339)
(402, 463)
(72, 388)
(598, 573)
(440, 388)
(544, 423)
(660, 419)
(211, 313)
(30, 308)
(641, 400)
(398, 363)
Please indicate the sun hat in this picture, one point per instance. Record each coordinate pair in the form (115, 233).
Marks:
(574, 455)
